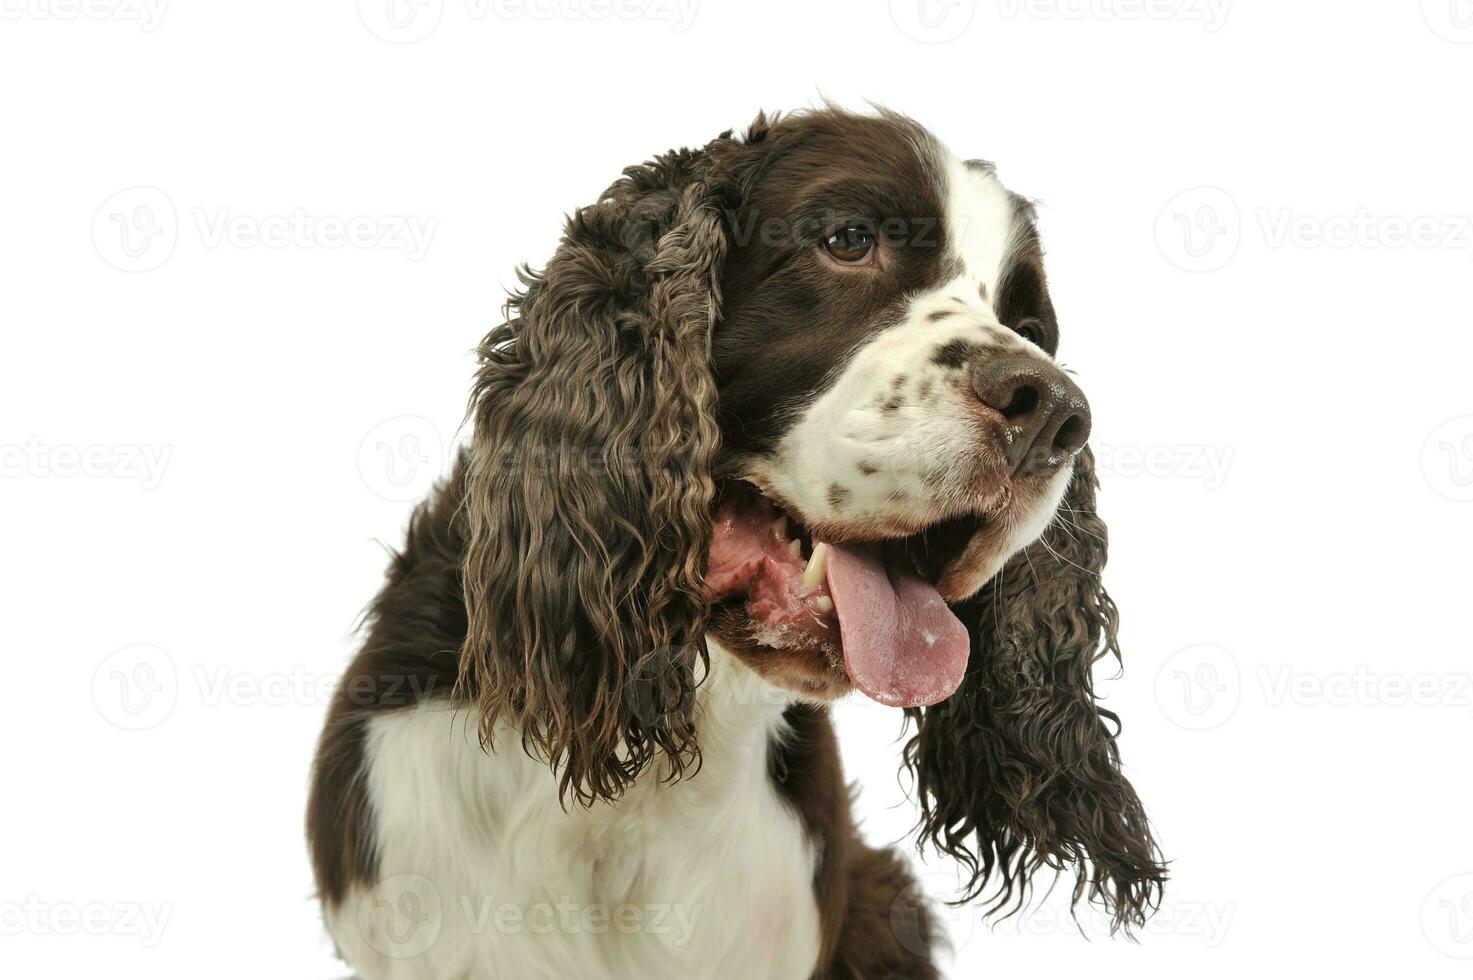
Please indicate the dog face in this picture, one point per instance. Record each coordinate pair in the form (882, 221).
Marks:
(797, 390)
(884, 363)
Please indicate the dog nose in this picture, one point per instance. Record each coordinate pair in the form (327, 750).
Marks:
(1046, 412)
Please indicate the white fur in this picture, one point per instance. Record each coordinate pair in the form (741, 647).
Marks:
(484, 875)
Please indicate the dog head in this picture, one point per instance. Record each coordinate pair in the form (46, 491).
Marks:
(798, 391)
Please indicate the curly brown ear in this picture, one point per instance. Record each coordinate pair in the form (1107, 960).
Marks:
(589, 489)
(1019, 769)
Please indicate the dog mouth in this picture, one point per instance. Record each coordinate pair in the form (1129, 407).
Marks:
(875, 603)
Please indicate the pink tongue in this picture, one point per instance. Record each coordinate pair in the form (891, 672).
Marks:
(902, 645)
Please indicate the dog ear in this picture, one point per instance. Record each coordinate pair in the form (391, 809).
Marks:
(589, 490)
(1019, 769)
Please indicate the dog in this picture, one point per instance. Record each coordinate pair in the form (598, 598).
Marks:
(780, 419)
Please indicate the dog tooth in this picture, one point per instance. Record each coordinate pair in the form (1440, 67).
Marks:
(796, 547)
(780, 526)
(824, 604)
(817, 570)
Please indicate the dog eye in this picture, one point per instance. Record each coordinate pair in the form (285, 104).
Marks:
(853, 245)
(1031, 331)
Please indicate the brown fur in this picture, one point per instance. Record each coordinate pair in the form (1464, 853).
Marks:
(589, 491)
(1018, 771)
(875, 920)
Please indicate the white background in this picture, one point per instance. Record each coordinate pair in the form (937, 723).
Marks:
(194, 415)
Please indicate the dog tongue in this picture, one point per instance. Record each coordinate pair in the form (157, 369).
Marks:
(902, 645)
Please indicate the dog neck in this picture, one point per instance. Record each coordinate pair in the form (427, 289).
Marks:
(738, 715)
